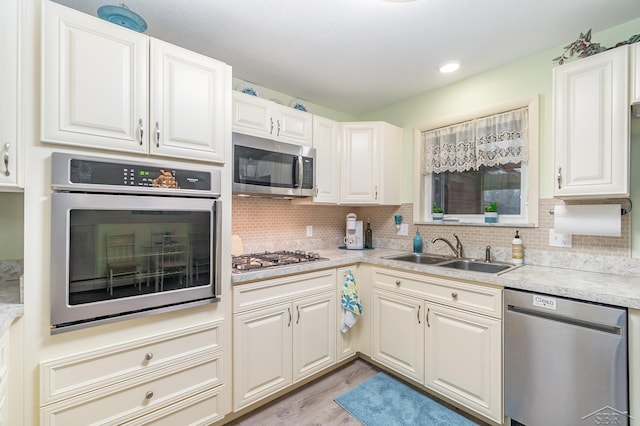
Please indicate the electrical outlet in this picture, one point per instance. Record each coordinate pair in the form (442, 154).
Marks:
(404, 229)
(557, 239)
(309, 230)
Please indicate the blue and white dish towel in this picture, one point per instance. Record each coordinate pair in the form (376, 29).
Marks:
(351, 306)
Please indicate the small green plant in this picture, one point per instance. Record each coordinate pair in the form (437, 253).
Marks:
(492, 207)
(435, 208)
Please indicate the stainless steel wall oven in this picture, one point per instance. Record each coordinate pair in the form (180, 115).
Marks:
(131, 238)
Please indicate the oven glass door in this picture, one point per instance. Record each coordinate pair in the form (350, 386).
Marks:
(121, 253)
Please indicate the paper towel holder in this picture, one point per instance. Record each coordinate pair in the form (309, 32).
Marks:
(623, 211)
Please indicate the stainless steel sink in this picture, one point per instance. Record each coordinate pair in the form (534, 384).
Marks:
(422, 258)
(453, 263)
(476, 266)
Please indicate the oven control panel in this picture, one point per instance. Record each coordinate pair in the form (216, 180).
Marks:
(101, 173)
(92, 174)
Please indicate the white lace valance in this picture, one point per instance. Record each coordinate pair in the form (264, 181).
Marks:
(488, 141)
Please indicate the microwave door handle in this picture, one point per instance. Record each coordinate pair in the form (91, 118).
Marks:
(297, 168)
(300, 171)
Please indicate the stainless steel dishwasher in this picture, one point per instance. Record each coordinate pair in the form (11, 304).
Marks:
(565, 361)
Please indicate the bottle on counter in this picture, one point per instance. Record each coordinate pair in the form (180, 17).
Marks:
(417, 243)
(368, 236)
(517, 250)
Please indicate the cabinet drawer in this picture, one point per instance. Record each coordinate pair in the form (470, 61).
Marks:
(269, 292)
(131, 399)
(479, 298)
(68, 376)
(201, 409)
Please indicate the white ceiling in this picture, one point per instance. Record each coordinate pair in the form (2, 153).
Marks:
(356, 56)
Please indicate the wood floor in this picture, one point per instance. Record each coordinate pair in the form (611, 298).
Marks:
(313, 404)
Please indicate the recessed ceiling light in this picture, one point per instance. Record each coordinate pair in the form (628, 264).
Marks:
(449, 67)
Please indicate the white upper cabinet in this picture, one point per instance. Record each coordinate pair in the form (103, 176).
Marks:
(9, 106)
(371, 163)
(326, 141)
(591, 126)
(635, 73)
(96, 80)
(188, 103)
(264, 118)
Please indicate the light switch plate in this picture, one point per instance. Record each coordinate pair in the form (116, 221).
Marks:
(309, 230)
(557, 239)
(404, 229)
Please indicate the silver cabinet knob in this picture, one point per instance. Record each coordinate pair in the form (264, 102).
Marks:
(149, 395)
(397, 282)
(454, 295)
(148, 356)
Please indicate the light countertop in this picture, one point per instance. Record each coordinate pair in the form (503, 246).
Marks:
(609, 288)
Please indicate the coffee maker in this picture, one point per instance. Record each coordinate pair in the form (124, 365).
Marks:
(353, 240)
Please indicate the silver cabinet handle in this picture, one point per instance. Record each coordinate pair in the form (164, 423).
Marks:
(428, 325)
(289, 310)
(140, 130)
(559, 177)
(454, 295)
(298, 309)
(419, 314)
(148, 356)
(271, 130)
(157, 135)
(397, 282)
(376, 193)
(5, 155)
(149, 395)
(278, 134)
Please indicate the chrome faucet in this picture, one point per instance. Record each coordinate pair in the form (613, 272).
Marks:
(487, 254)
(457, 250)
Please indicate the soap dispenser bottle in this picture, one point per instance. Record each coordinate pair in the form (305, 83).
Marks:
(417, 243)
(517, 250)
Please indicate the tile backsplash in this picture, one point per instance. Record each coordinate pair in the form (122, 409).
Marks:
(268, 224)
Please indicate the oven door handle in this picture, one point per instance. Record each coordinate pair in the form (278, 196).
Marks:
(217, 246)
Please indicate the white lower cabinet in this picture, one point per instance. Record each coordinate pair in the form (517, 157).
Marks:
(398, 333)
(452, 347)
(173, 378)
(347, 343)
(284, 331)
(463, 358)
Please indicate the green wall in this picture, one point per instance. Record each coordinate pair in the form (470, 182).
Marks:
(11, 226)
(524, 78)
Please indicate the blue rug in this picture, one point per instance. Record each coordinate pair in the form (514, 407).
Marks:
(385, 401)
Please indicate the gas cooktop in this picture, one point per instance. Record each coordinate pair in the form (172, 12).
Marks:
(253, 261)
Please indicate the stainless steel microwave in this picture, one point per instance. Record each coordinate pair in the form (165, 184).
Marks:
(270, 168)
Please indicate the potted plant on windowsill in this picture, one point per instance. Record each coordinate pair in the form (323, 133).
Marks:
(491, 213)
(436, 213)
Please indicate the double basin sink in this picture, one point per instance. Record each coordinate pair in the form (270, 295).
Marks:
(453, 263)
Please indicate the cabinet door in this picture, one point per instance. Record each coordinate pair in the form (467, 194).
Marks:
(591, 126)
(326, 141)
(262, 353)
(292, 125)
(189, 103)
(347, 343)
(397, 335)
(9, 19)
(635, 73)
(359, 168)
(463, 359)
(252, 115)
(314, 334)
(94, 82)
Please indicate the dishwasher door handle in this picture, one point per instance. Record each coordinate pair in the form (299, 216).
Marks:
(606, 328)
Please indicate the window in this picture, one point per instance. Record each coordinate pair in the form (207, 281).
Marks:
(470, 164)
